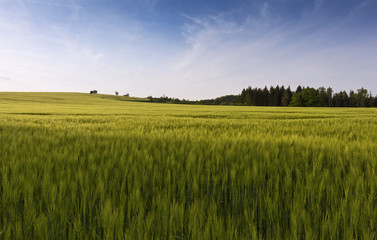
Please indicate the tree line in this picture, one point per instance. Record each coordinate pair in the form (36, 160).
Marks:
(306, 97)
(281, 96)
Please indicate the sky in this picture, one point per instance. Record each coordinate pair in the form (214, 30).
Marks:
(187, 49)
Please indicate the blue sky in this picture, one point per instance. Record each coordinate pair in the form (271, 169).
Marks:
(186, 48)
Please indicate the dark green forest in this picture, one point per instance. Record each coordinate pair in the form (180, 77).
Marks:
(281, 96)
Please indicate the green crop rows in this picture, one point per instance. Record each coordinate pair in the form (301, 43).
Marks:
(80, 166)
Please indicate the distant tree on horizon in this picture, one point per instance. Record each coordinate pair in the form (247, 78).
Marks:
(286, 98)
(308, 97)
(361, 96)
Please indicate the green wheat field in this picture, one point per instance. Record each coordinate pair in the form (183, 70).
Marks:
(81, 166)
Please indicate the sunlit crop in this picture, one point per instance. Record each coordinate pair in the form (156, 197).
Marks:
(79, 166)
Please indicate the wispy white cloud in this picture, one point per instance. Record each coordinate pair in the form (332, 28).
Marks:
(264, 10)
(234, 55)
(150, 4)
(318, 5)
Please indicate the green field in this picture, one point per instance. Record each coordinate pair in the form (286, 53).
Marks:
(80, 166)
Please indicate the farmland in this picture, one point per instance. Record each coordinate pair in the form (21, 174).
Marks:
(80, 166)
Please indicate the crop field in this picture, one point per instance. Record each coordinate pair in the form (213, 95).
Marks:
(80, 166)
